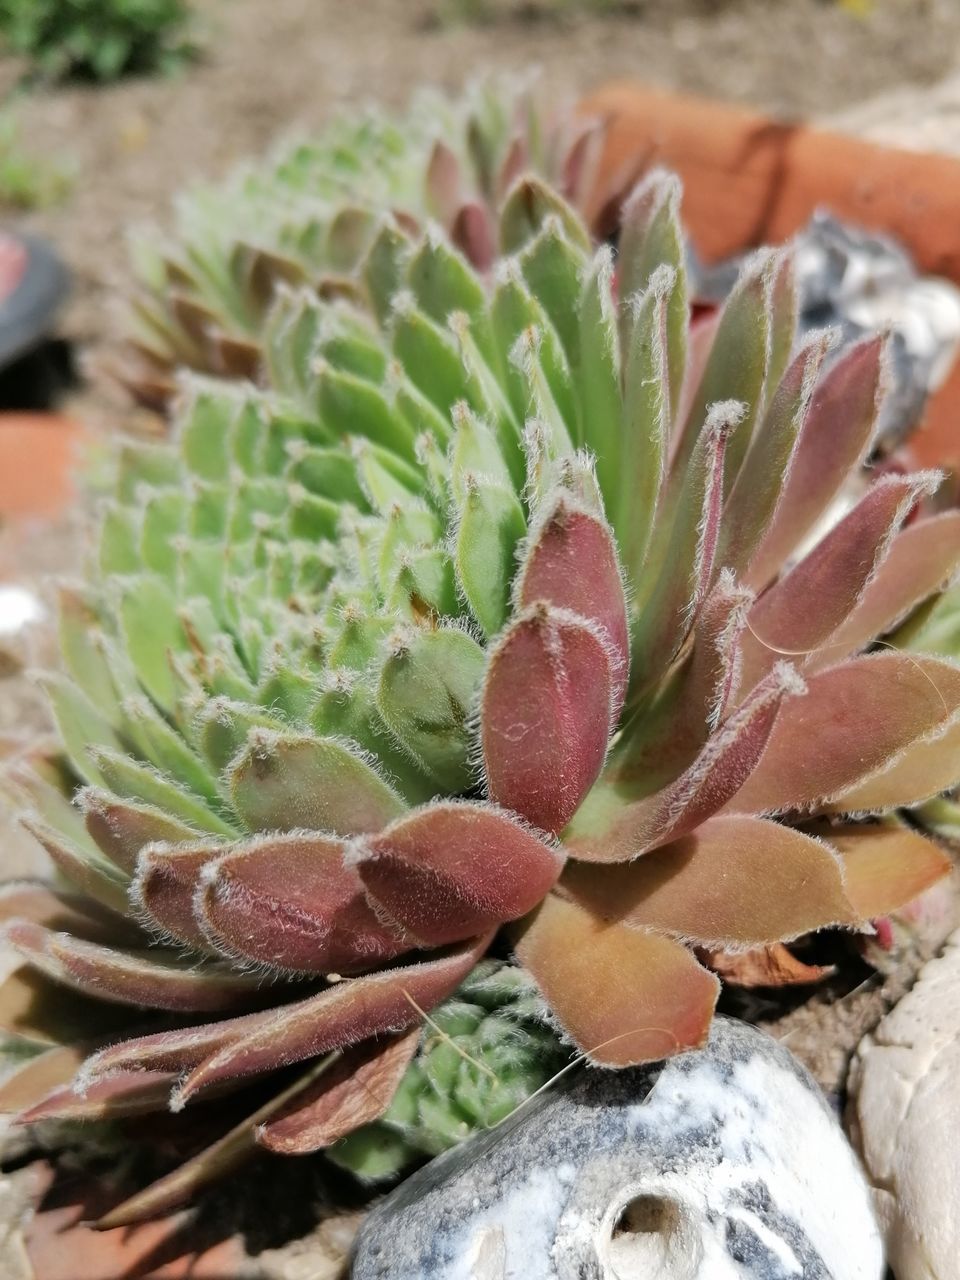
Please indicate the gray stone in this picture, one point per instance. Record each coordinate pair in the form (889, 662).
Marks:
(721, 1164)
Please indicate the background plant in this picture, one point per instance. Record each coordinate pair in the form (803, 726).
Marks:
(29, 180)
(97, 39)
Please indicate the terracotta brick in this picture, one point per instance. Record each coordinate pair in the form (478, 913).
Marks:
(39, 454)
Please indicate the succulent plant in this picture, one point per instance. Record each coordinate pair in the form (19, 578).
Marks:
(329, 213)
(481, 619)
(482, 1054)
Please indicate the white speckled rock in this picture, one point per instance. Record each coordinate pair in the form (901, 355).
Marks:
(905, 1117)
(722, 1164)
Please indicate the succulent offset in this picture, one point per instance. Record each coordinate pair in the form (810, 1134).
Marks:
(496, 611)
(329, 206)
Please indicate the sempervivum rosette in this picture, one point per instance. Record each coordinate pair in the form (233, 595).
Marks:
(492, 614)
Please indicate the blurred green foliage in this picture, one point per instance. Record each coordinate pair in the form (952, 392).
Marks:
(483, 11)
(97, 39)
(28, 181)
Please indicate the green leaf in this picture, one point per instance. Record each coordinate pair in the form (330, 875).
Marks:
(427, 690)
(284, 782)
(491, 527)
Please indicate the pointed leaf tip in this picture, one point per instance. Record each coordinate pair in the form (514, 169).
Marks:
(571, 563)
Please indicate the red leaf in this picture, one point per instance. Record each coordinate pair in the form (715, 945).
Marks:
(289, 901)
(453, 870)
(474, 235)
(731, 881)
(616, 833)
(803, 610)
(546, 715)
(388, 1001)
(571, 563)
(856, 719)
(886, 866)
(922, 559)
(121, 828)
(164, 889)
(133, 1093)
(146, 979)
(175, 1051)
(833, 440)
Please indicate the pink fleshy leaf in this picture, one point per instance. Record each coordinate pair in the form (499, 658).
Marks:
(582, 160)
(617, 833)
(121, 827)
(663, 740)
(834, 438)
(922, 771)
(571, 563)
(388, 1001)
(623, 995)
(453, 870)
(165, 886)
(133, 1093)
(922, 559)
(174, 1051)
(515, 161)
(546, 714)
(886, 867)
(352, 1092)
(184, 1183)
(757, 490)
(732, 881)
(288, 901)
(474, 234)
(127, 977)
(857, 719)
(802, 611)
(442, 182)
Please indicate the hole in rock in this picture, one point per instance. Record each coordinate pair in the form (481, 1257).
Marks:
(651, 1237)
